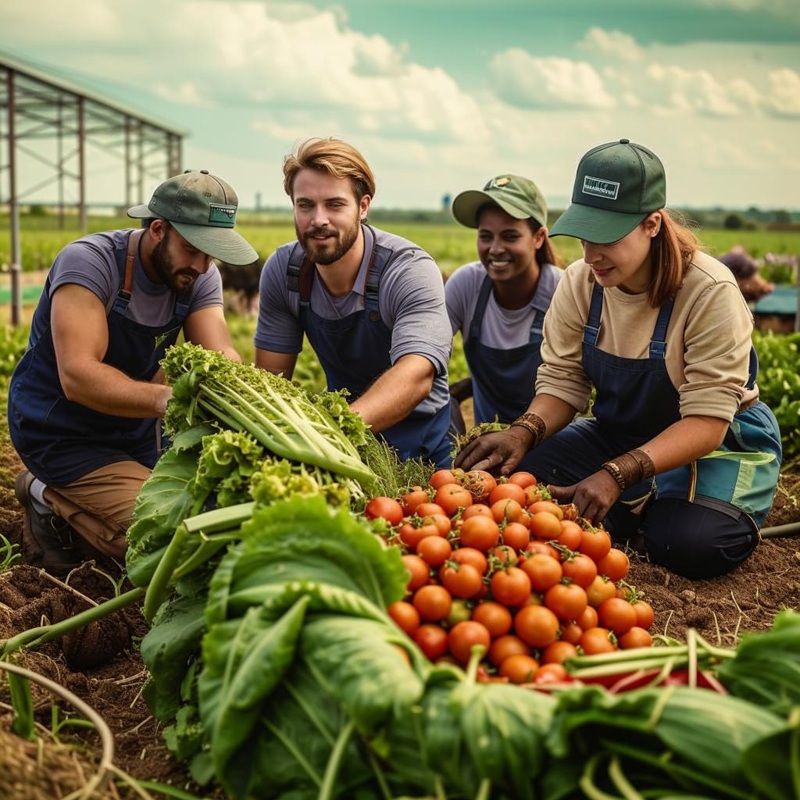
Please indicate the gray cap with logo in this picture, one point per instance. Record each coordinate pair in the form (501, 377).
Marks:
(202, 208)
(519, 197)
(617, 185)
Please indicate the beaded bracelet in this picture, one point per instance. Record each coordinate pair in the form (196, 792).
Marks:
(532, 423)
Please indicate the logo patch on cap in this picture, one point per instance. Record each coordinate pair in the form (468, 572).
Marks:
(219, 214)
(598, 187)
(499, 183)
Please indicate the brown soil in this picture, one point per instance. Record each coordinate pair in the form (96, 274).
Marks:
(721, 609)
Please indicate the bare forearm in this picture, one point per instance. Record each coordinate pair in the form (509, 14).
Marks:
(396, 393)
(555, 412)
(685, 441)
(109, 391)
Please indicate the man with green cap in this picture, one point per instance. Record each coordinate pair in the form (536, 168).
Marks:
(85, 399)
(662, 333)
(499, 302)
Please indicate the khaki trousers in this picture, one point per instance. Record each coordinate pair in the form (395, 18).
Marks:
(99, 506)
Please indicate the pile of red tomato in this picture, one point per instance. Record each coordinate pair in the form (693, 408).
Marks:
(497, 563)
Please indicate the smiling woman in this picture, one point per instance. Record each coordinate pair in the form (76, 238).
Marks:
(662, 333)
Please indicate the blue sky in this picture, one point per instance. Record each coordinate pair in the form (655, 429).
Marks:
(440, 95)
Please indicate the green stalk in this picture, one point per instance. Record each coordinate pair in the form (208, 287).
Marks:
(294, 752)
(327, 790)
(22, 705)
(620, 780)
(46, 633)
(587, 782)
(156, 592)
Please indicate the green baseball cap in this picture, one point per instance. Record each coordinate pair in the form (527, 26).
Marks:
(517, 196)
(202, 208)
(617, 185)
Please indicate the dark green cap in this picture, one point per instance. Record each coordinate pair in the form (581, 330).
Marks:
(618, 184)
(202, 208)
(517, 196)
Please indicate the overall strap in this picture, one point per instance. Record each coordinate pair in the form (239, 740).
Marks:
(658, 344)
(300, 273)
(124, 293)
(591, 330)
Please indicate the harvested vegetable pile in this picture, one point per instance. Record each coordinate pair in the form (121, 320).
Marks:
(274, 662)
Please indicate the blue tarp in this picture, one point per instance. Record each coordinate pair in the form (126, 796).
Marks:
(781, 300)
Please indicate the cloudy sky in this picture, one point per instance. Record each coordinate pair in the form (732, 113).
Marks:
(442, 94)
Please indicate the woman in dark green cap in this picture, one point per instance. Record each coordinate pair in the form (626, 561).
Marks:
(499, 302)
(662, 332)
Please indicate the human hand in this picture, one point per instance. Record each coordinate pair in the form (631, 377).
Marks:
(497, 452)
(162, 399)
(593, 496)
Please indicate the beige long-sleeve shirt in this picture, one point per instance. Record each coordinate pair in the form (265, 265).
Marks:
(708, 338)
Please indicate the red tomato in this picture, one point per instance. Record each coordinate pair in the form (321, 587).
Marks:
(441, 521)
(510, 586)
(595, 543)
(411, 499)
(543, 570)
(571, 534)
(516, 535)
(434, 550)
(519, 668)
(522, 478)
(558, 652)
(545, 526)
(428, 509)
(506, 509)
(494, 616)
(537, 626)
(551, 673)
(566, 600)
(476, 510)
(411, 535)
(473, 556)
(571, 632)
(464, 636)
(635, 637)
(587, 618)
(617, 615)
(384, 508)
(504, 646)
(580, 569)
(600, 589)
(418, 570)
(597, 640)
(433, 602)
(479, 483)
(505, 555)
(479, 532)
(645, 616)
(539, 546)
(451, 497)
(614, 565)
(405, 616)
(461, 580)
(441, 477)
(432, 640)
(507, 491)
(547, 505)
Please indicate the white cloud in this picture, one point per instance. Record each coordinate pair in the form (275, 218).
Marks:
(523, 80)
(614, 43)
(784, 95)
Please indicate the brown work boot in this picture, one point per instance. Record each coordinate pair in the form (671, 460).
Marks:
(47, 540)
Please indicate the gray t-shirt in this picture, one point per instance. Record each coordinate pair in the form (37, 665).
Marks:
(410, 302)
(90, 262)
(502, 328)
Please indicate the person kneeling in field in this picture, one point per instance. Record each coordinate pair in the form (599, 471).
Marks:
(662, 332)
(499, 302)
(85, 400)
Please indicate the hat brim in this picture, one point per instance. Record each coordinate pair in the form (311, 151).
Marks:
(222, 244)
(140, 212)
(595, 225)
(465, 207)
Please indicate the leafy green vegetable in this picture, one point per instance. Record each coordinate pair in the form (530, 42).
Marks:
(208, 387)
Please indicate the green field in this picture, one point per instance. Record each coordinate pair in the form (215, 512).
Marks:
(449, 243)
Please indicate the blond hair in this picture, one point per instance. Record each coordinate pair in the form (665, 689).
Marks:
(337, 158)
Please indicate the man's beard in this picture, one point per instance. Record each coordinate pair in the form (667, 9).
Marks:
(164, 267)
(326, 253)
